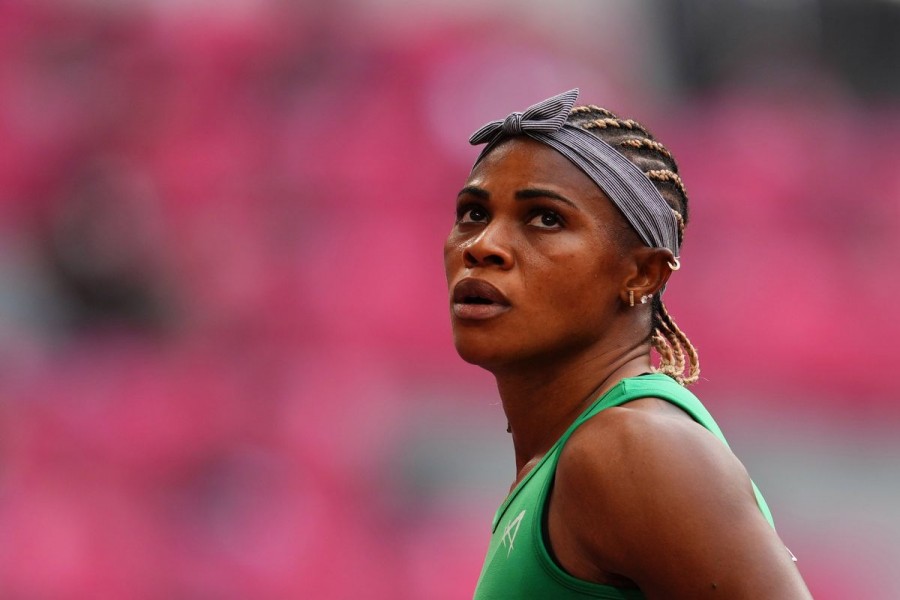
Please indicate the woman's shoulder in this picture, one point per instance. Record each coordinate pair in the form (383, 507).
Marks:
(644, 491)
(647, 440)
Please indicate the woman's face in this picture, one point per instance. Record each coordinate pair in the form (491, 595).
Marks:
(536, 262)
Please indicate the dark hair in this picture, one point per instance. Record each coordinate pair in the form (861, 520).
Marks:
(638, 145)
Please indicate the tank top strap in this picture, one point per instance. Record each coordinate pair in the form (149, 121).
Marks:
(652, 385)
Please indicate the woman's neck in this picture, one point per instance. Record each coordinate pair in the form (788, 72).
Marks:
(541, 401)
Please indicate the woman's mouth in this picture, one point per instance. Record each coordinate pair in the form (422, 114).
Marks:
(476, 299)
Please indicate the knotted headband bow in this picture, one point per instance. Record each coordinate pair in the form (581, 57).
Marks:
(621, 180)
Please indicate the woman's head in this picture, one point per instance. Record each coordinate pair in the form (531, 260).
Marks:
(566, 263)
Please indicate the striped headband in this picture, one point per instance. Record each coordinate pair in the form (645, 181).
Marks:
(620, 179)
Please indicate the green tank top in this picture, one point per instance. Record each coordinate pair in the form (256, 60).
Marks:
(518, 564)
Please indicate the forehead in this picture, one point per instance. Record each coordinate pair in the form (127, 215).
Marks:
(524, 162)
(521, 162)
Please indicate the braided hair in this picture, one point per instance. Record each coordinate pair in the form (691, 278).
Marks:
(677, 354)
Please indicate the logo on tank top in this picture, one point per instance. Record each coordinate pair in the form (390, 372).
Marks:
(510, 533)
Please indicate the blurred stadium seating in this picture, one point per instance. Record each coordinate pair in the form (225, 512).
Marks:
(226, 364)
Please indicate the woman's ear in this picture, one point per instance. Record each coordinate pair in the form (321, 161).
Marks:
(652, 268)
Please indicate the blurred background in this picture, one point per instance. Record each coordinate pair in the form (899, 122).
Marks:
(226, 369)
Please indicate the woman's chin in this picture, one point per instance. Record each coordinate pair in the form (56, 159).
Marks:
(488, 352)
(480, 354)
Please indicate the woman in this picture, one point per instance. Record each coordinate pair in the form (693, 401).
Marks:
(567, 231)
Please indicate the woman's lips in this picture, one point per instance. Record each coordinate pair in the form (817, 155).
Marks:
(478, 312)
(477, 299)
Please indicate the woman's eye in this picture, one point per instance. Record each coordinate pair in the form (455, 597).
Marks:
(546, 219)
(473, 214)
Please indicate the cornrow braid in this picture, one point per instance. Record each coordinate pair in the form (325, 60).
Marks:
(666, 357)
(665, 331)
(680, 220)
(653, 145)
(677, 356)
(668, 177)
(670, 341)
(615, 123)
(593, 109)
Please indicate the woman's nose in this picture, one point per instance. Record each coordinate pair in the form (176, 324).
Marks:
(490, 248)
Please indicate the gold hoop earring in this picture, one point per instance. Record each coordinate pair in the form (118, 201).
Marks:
(676, 265)
(630, 297)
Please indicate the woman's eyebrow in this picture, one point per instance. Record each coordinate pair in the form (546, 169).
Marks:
(471, 190)
(530, 193)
